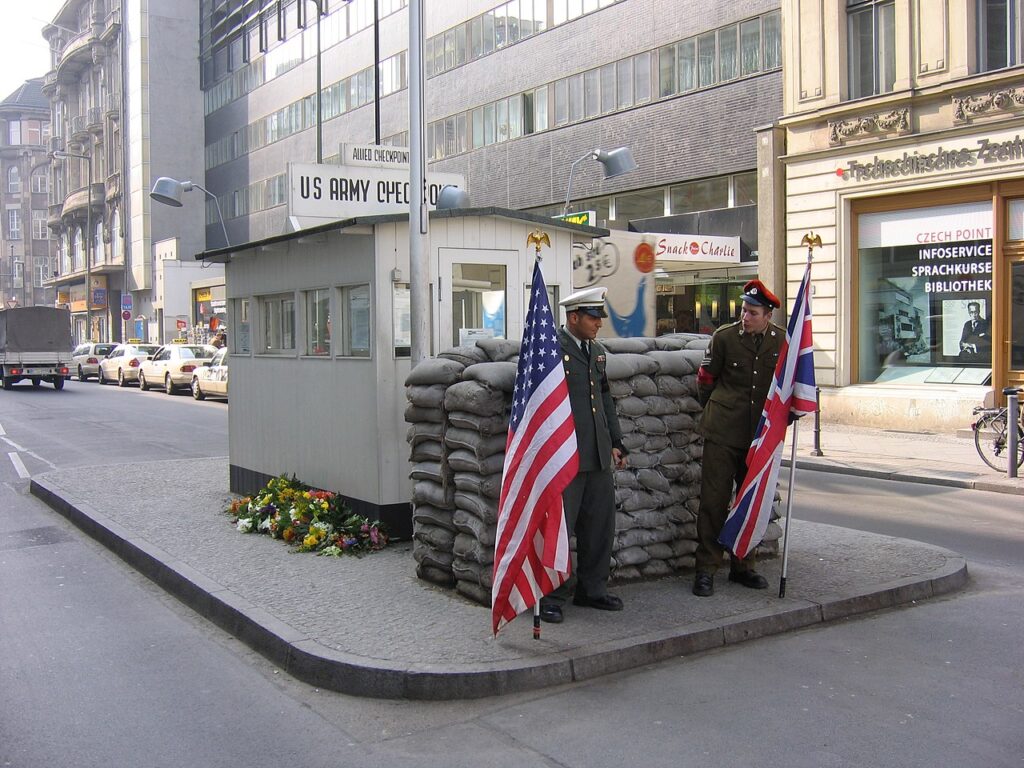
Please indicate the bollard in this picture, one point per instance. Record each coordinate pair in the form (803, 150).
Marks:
(817, 423)
(1012, 430)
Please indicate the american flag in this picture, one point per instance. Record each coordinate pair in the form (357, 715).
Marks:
(531, 554)
(790, 397)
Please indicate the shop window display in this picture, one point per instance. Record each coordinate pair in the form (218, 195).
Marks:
(925, 295)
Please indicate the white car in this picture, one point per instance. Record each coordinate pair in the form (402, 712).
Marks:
(85, 360)
(123, 362)
(172, 366)
(212, 378)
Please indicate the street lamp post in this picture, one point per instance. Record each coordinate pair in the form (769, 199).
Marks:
(62, 155)
(168, 191)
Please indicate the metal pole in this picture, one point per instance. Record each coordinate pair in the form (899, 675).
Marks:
(789, 513)
(817, 423)
(1012, 430)
(319, 89)
(88, 249)
(419, 272)
(376, 72)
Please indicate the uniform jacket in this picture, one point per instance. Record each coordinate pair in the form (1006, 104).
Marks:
(597, 425)
(742, 375)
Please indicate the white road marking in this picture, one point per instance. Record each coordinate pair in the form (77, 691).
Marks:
(2, 430)
(19, 466)
(11, 443)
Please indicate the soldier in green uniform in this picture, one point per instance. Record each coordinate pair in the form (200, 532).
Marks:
(732, 383)
(589, 500)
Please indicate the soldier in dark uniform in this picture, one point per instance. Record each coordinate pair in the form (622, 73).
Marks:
(589, 500)
(732, 383)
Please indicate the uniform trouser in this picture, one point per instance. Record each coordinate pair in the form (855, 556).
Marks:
(589, 502)
(723, 467)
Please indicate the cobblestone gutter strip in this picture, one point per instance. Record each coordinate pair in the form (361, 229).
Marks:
(331, 669)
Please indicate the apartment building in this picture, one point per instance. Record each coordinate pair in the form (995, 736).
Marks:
(904, 151)
(515, 93)
(126, 108)
(26, 248)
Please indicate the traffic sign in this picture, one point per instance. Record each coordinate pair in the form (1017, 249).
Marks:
(126, 315)
(181, 324)
(126, 303)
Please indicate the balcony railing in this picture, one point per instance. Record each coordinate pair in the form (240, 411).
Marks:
(95, 119)
(56, 143)
(78, 125)
(112, 103)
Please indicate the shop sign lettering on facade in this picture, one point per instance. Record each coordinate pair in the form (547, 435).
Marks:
(343, 192)
(983, 151)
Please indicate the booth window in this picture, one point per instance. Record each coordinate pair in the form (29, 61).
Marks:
(241, 344)
(318, 322)
(278, 316)
(354, 301)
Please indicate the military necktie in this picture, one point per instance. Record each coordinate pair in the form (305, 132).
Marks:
(586, 349)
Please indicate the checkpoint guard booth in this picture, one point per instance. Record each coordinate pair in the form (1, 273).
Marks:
(319, 339)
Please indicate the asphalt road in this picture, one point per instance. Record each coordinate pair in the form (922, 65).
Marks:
(99, 668)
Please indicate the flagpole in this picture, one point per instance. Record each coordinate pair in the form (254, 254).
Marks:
(789, 512)
(536, 620)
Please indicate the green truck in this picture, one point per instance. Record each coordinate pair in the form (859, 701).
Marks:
(35, 344)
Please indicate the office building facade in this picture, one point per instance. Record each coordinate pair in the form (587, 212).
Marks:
(514, 94)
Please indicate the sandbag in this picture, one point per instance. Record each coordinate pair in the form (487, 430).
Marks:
(420, 432)
(426, 470)
(485, 425)
(631, 406)
(670, 386)
(470, 548)
(480, 445)
(472, 525)
(499, 376)
(499, 350)
(675, 364)
(625, 366)
(414, 414)
(485, 485)
(653, 480)
(435, 371)
(660, 406)
(462, 460)
(426, 395)
(484, 508)
(637, 345)
(425, 514)
(643, 385)
(439, 538)
(428, 492)
(426, 555)
(475, 397)
(426, 450)
(474, 592)
(468, 355)
(442, 578)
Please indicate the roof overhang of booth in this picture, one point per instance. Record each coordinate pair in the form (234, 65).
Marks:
(223, 255)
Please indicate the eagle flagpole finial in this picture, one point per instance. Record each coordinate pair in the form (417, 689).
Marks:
(537, 238)
(812, 241)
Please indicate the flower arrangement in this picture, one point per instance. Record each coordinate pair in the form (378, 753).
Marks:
(309, 519)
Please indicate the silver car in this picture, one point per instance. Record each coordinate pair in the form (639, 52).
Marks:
(123, 363)
(172, 366)
(85, 359)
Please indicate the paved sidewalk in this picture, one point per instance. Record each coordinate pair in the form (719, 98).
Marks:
(947, 459)
(369, 627)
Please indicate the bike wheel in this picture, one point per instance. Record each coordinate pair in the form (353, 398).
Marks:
(990, 440)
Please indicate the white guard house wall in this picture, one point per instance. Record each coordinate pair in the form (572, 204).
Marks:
(333, 414)
(929, 200)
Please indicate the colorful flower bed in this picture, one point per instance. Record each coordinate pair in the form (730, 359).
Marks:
(307, 518)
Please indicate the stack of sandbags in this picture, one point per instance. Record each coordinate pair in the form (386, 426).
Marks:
(459, 409)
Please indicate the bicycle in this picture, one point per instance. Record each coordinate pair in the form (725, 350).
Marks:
(991, 436)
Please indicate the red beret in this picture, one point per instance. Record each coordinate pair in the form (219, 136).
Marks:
(755, 292)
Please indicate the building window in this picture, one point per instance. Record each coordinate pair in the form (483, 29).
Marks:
(39, 229)
(318, 322)
(704, 195)
(78, 251)
(744, 189)
(872, 47)
(278, 317)
(13, 224)
(40, 181)
(13, 132)
(240, 324)
(13, 180)
(998, 37)
(354, 301)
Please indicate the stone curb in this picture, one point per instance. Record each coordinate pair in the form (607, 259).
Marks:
(993, 486)
(313, 663)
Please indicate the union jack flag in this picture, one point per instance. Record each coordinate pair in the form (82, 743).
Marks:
(791, 396)
(531, 554)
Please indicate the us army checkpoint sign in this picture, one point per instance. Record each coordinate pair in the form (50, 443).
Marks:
(346, 191)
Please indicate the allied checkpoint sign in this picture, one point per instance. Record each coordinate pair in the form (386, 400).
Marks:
(346, 191)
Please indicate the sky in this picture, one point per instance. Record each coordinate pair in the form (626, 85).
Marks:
(23, 52)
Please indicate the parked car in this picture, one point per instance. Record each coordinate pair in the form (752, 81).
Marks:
(85, 359)
(172, 366)
(123, 362)
(212, 378)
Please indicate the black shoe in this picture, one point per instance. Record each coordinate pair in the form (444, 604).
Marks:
(704, 585)
(551, 613)
(749, 579)
(603, 603)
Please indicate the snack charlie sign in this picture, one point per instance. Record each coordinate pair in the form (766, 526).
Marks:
(346, 191)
